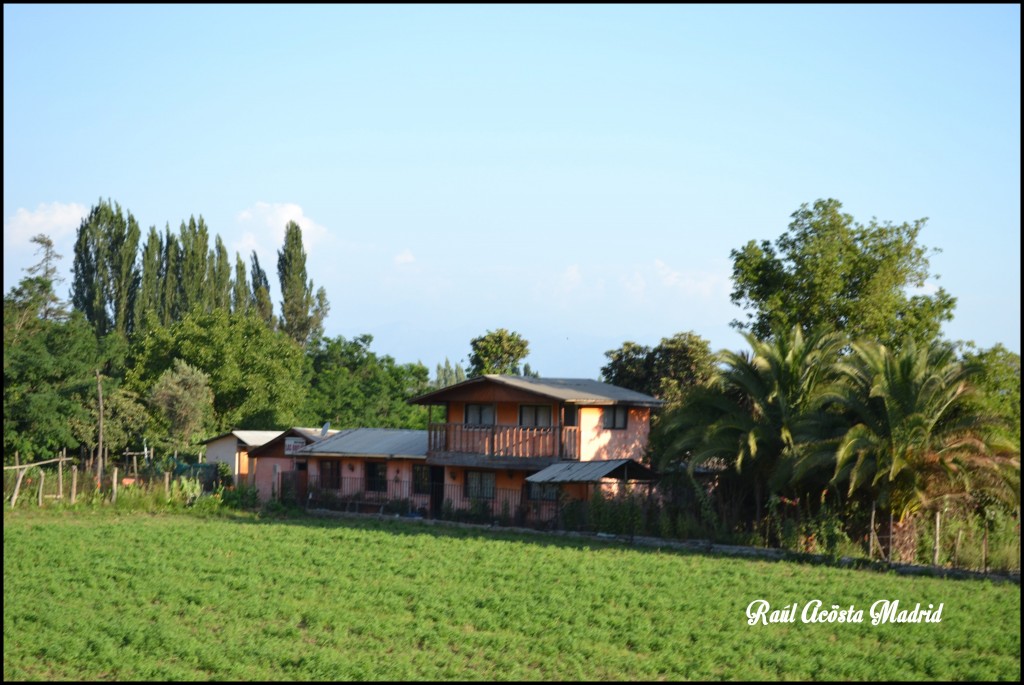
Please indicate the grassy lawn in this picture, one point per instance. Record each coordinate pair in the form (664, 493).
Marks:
(97, 595)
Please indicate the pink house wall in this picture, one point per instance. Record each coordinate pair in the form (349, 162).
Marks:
(597, 442)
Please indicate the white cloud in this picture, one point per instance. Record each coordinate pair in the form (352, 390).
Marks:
(264, 225)
(405, 257)
(56, 219)
(693, 283)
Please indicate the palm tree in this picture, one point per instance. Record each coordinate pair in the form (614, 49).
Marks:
(756, 412)
(913, 437)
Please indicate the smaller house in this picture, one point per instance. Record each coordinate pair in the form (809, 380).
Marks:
(280, 455)
(233, 448)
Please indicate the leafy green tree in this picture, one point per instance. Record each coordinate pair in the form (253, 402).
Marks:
(261, 293)
(998, 383)
(219, 276)
(195, 289)
(351, 386)
(831, 271)
(302, 313)
(148, 304)
(183, 400)
(173, 307)
(497, 352)
(48, 372)
(240, 293)
(910, 440)
(256, 374)
(105, 270)
(666, 371)
(52, 308)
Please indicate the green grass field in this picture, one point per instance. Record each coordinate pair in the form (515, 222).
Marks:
(97, 595)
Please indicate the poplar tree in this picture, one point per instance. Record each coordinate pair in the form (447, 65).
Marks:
(240, 297)
(195, 243)
(171, 301)
(302, 314)
(261, 292)
(149, 298)
(105, 271)
(219, 276)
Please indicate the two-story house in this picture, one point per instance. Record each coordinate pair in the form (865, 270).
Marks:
(506, 447)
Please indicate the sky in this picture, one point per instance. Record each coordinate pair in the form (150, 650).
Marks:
(577, 174)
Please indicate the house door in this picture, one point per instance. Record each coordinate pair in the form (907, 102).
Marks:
(302, 482)
(436, 490)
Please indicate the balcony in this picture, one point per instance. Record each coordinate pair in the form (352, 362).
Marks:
(505, 444)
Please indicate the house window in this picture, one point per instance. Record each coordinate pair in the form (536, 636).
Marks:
(479, 415)
(330, 475)
(376, 477)
(479, 484)
(542, 491)
(614, 418)
(570, 414)
(535, 415)
(420, 479)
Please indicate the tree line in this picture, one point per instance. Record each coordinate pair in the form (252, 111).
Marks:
(848, 394)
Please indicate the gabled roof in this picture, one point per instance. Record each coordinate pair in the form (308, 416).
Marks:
(574, 390)
(246, 437)
(371, 442)
(592, 471)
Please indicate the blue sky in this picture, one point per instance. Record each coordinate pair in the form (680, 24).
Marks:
(578, 174)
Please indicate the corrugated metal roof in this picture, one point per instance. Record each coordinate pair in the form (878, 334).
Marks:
(592, 471)
(575, 390)
(313, 434)
(377, 442)
(250, 438)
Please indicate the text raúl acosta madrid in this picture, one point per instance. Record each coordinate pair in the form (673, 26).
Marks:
(814, 611)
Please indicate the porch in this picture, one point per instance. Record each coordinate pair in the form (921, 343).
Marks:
(515, 442)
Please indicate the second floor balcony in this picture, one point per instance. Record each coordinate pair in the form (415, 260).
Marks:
(526, 442)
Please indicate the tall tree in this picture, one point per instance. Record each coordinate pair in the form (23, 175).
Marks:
(302, 313)
(195, 287)
(261, 302)
(998, 383)
(497, 352)
(172, 306)
(828, 270)
(105, 270)
(240, 294)
(219, 276)
(46, 270)
(448, 374)
(148, 304)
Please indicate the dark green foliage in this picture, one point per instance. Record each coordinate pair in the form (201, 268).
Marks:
(241, 297)
(998, 382)
(302, 313)
(256, 374)
(830, 271)
(261, 303)
(105, 271)
(497, 352)
(448, 375)
(666, 371)
(351, 386)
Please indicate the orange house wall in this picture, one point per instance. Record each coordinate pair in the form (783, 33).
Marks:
(597, 442)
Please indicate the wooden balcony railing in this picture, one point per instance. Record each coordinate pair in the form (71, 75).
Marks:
(562, 442)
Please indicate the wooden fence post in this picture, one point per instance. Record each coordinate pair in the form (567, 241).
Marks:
(17, 486)
(935, 553)
(42, 478)
(113, 485)
(890, 537)
(60, 476)
(74, 482)
(167, 484)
